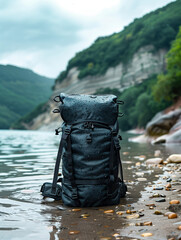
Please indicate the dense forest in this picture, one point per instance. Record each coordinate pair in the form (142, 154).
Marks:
(21, 90)
(157, 28)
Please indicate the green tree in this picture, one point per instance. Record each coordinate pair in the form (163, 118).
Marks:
(169, 84)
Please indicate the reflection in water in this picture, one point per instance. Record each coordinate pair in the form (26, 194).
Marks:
(27, 161)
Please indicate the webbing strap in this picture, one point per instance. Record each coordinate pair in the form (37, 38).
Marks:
(87, 181)
(65, 134)
(57, 164)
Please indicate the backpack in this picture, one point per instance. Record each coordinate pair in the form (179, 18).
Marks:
(89, 148)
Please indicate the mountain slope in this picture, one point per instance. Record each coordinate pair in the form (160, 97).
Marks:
(157, 28)
(21, 90)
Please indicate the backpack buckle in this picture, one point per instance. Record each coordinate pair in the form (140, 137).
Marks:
(74, 193)
(89, 138)
(116, 143)
(67, 130)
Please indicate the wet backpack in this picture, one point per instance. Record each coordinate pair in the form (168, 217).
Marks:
(89, 148)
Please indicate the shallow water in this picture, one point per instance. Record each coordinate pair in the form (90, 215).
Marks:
(27, 161)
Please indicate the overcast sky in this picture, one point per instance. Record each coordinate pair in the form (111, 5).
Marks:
(44, 34)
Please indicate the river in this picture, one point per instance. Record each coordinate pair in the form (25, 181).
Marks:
(27, 161)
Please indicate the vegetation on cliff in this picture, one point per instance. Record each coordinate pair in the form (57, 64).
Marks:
(168, 86)
(157, 28)
(21, 90)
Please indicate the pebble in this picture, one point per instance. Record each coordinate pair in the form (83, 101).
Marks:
(148, 223)
(168, 185)
(167, 213)
(179, 227)
(158, 188)
(142, 179)
(119, 213)
(74, 232)
(109, 211)
(157, 153)
(157, 212)
(161, 200)
(174, 202)
(76, 209)
(85, 215)
(146, 234)
(138, 164)
(172, 215)
(155, 161)
(132, 216)
(169, 179)
(174, 158)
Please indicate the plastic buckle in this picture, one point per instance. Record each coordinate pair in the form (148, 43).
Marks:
(120, 137)
(74, 193)
(89, 138)
(67, 131)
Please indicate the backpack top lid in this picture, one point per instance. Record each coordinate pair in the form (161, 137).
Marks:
(77, 107)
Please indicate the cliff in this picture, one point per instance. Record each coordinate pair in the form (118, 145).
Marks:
(144, 64)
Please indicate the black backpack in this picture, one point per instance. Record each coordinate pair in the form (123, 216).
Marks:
(89, 147)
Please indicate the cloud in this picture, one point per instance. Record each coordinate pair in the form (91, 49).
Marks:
(44, 34)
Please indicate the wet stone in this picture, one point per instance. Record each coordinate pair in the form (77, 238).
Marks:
(133, 216)
(74, 232)
(174, 202)
(158, 188)
(154, 161)
(169, 179)
(157, 212)
(161, 200)
(146, 234)
(168, 185)
(172, 215)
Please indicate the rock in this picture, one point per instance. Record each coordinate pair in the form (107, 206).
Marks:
(167, 213)
(174, 137)
(157, 153)
(162, 123)
(157, 212)
(85, 215)
(169, 179)
(155, 161)
(132, 216)
(168, 185)
(146, 234)
(161, 200)
(76, 209)
(175, 207)
(158, 188)
(179, 227)
(172, 215)
(174, 202)
(174, 158)
(74, 232)
(148, 223)
(142, 179)
(160, 140)
(119, 213)
(109, 211)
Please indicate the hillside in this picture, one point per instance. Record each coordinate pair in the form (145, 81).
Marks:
(21, 90)
(120, 61)
(157, 28)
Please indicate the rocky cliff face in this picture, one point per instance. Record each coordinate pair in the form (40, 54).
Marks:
(143, 64)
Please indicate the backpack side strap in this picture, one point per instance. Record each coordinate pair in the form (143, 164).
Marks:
(53, 190)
